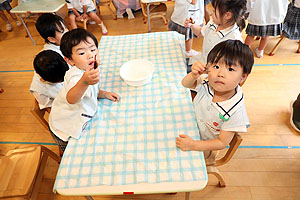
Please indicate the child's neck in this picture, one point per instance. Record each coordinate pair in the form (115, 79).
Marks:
(223, 26)
(223, 96)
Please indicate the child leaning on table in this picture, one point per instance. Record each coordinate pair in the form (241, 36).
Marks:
(76, 103)
(219, 103)
(51, 27)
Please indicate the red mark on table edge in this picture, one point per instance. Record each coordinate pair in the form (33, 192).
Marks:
(28, 11)
(124, 193)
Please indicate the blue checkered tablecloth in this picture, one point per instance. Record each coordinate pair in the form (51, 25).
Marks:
(134, 140)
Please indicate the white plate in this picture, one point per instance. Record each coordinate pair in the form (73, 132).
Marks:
(137, 72)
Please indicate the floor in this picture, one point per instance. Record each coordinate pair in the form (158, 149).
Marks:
(266, 167)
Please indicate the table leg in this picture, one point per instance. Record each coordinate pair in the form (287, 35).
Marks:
(20, 15)
(148, 15)
(88, 197)
(187, 196)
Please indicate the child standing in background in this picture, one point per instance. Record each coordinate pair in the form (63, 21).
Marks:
(76, 103)
(291, 25)
(265, 20)
(183, 9)
(219, 104)
(227, 23)
(4, 5)
(82, 9)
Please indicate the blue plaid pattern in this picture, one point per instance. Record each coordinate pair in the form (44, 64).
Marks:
(134, 140)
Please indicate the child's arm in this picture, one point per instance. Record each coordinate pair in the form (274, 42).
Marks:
(185, 143)
(190, 80)
(108, 95)
(195, 28)
(78, 16)
(90, 77)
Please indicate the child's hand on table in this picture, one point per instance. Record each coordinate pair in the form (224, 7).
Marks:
(184, 142)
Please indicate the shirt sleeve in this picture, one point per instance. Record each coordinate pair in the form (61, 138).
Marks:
(43, 100)
(70, 6)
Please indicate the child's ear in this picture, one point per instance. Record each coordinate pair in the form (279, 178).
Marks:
(69, 61)
(243, 79)
(228, 16)
(52, 40)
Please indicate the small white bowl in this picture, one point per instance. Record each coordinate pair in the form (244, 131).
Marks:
(137, 72)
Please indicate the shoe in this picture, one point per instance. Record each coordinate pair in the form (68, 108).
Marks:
(8, 27)
(259, 53)
(120, 16)
(295, 116)
(103, 28)
(92, 22)
(129, 13)
(18, 23)
(191, 53)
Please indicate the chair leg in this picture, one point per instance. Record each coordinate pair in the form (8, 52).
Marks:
(112, 12)
(165, 20)
(213, 170)
(85, 24)
(282, 38)
(298, 51)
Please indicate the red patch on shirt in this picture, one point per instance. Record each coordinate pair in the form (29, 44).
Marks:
(215, 123)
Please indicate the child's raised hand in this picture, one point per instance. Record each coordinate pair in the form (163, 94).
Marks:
(198, 68)
(91, 76)
(184, 142)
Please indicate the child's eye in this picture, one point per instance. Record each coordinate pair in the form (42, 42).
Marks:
(216, 67)
(230, 69)
(93, 50)
(81, 53)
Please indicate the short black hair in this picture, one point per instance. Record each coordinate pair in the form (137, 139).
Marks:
(73, 38)
(51, 66)
(47, 25)
(232, 51)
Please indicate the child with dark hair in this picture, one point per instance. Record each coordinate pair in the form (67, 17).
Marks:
(76, 103)
(219, 103)
(50, 69)
(227, 23)
(51, 27)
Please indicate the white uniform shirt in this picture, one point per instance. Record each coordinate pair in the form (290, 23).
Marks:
(69, 120)
(266, 12)
(78, 5)
(211, 37)
(196, 12)
(45, 92)
(229, 115)
(180, 13)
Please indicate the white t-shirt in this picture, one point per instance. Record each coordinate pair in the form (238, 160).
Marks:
(196, 12)
(45, 92)
(69, 120)
(211, 37)
(266, 12)
(181, 10)
(229, 115)
(78, 5)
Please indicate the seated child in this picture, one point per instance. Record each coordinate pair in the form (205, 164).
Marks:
(50, 69)
(82, 9)
(76, 103)
(219, 103)
(51, 27)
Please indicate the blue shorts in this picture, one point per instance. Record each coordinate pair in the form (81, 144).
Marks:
(70, 11)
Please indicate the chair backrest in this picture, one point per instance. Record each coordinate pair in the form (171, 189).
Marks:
(21, 171)
(233, 146)
(39, 115)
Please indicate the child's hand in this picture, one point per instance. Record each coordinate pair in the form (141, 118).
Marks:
(111, 96)
(198, 68)
(184, 142)
(84, 16)
(91, 76)
(79, 18)
(188, 22)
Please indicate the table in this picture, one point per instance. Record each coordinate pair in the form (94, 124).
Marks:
(37, 6)
(129, 146)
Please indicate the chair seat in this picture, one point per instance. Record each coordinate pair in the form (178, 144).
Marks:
(18, 169)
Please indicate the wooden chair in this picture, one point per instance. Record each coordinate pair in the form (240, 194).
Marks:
(40, 114)
(282, 38)
(233, 146)
(21, 171)
(110, 5)
(157, 10)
